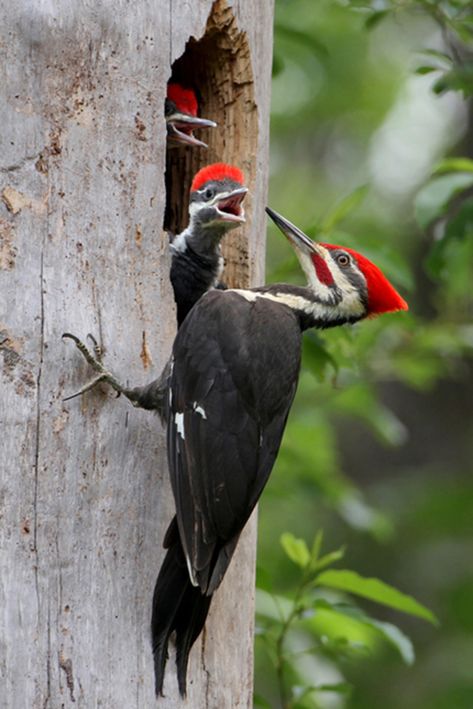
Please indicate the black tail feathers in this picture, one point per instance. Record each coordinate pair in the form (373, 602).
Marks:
(177, 606)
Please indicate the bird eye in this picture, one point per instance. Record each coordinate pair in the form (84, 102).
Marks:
(343, 260)
(209, 193)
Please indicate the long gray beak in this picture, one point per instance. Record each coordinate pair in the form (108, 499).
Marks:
(181, 125)
(297, 238)
(191, 121)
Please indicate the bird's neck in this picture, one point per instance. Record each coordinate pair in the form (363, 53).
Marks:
(196, 267)
(204, 241)
(310, 309)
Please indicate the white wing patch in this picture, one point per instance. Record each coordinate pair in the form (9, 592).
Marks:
(191, 572)
(199, 410)
(179, 421)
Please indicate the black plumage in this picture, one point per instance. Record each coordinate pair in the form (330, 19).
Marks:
(226, 394)
(234, 375)
(193, 272)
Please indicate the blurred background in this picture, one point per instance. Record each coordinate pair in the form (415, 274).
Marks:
(371, 147)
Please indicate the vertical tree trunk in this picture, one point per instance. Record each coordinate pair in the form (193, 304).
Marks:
(84, 496)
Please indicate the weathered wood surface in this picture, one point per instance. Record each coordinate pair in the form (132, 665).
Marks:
(84, 493)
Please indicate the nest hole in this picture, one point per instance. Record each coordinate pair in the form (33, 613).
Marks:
(218, 68)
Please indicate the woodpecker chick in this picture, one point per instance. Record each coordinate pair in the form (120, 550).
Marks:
(234, 374)
(215, 207)
(217, 193)
(180, 112)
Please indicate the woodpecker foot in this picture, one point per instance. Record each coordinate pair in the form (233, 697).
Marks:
(152, 396)
(95, 361)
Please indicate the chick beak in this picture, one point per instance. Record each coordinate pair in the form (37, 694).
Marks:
(230, 205)
(181, 126)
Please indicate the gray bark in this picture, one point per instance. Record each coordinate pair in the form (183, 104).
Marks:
(84, 492)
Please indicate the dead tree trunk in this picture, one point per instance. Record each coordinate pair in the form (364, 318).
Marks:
(84, 496)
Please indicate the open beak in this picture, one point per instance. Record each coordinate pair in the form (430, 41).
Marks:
(296, 237)
(180, 128)
(230, 205)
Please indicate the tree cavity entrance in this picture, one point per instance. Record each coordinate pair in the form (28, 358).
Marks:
(218, 67)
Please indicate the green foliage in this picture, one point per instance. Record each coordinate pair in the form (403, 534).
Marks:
(341, 210)
(446, 201)
(375, 590)
(377, 448)
(313, 623)
(433, 200)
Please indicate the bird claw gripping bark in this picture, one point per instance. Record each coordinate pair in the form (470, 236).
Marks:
(95, 361)
(152, 396)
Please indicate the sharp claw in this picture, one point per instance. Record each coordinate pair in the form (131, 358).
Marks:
(70, 336)
(95, 362)
(87, 387)
(97, 348)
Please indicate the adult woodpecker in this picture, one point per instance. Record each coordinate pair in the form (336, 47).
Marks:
(235, 367)
(233, 377)
(180, 112)
(215, 207)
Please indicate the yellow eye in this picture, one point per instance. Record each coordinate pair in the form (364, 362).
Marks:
(343, 260)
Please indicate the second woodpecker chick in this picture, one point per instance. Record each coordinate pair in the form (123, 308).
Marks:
(215, 207)
(180, 111)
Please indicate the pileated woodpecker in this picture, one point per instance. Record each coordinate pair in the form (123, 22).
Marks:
(234, 373)
(215, 207)
(180, 112)
(232, 379)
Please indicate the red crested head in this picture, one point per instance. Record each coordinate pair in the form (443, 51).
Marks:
(185, 99)
(382, 296)
(216, 172)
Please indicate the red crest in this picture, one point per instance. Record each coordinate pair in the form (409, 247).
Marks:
(382, 296)
(216, 172)
(185, 99)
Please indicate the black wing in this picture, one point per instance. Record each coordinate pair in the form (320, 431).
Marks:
(235, 370)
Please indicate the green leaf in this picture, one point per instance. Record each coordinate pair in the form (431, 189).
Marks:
(453, 165)
(396, 638)
(391, 633)
(272, 606)
(433, 199)
(329, 559)
(296, 549)
(340, 688)
(458, 229)
(423, 70)
(342, 631)
(375, 18)
(441, 56)
(301, 693)
(346, 205)
(458, 79)
(375, 590)
(316, 547)
(316, 358)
